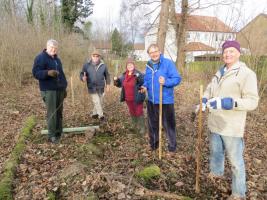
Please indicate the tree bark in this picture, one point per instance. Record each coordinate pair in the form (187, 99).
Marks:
(181, 30)
(163, 24)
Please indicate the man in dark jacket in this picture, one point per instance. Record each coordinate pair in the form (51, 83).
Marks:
(47, 68)
(160, 70)
(95, 74)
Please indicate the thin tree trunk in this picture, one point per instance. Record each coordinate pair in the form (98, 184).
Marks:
(29, 11)
(181, 35)
(163, 24)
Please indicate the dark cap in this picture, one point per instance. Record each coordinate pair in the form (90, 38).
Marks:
(231, 43)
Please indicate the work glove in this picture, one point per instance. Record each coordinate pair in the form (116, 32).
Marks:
(52, 73)
(226, 103)
(138, 78)
(204, 105)
(116, 81)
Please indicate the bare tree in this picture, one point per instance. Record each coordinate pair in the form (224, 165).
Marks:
(181, 35)
(132, 20)
(29, 11)
(180, 25)
(163, 24)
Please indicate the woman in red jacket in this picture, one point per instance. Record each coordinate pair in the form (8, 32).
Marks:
(130, 82)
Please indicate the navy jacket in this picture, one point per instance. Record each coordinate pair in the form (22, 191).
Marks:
(139, 77)
(167, 69)
(97, 76)
(44, 62)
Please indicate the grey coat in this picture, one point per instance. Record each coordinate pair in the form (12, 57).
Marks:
(97, 76)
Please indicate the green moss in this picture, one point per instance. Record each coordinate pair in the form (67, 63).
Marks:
(102, 138)
(136, 162)
(186, 198)
(92, 196)
(11, 163)
(149, 172)
(51, 196)
(90, 149)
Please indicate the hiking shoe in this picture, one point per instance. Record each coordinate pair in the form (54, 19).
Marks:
(102, 118)
(54, 140)
(95, 116)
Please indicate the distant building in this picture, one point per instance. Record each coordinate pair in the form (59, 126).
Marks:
(106, 46)
(103, 46)
(253, 36)
(139, 51)
(205, 36)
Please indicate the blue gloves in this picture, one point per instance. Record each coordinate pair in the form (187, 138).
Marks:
(226, 103)
(204, 105)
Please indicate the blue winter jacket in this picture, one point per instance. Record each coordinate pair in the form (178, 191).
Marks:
(167, 69)
(44, 62)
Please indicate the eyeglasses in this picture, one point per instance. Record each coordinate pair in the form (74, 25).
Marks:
(153, 52)
(96, 55)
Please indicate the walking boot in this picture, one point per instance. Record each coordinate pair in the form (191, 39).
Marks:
(134, 124)
(141, 125)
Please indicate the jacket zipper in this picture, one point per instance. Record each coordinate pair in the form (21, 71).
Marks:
(152, 83)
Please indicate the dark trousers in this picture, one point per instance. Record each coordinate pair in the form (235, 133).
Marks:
(168, 121)
(54, 105)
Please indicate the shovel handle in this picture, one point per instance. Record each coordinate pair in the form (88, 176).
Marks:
(160, 121)
(198, 146)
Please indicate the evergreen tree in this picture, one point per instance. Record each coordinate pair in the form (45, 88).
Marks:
(74, 11)
(116, 42)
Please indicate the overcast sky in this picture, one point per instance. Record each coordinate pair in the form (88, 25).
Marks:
(107, 12)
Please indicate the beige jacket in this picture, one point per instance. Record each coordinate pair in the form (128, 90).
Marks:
(240, 83)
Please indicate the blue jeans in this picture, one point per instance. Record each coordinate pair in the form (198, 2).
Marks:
(234, 147)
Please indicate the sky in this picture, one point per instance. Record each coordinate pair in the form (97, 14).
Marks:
(107, 12)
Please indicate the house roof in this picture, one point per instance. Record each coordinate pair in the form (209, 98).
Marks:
(205, 24)
(101, 44)
(254, 19)
(106, 45)
(198, 46)
(139, 46)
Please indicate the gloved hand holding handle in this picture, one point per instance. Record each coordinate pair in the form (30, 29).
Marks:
(225, 103)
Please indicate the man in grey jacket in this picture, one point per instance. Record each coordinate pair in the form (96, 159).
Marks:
(230, 94)
(95, 74)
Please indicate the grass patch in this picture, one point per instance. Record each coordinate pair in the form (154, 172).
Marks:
(12, 162)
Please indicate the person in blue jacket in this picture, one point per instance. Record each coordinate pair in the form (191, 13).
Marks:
(47, 68)
(160, 70)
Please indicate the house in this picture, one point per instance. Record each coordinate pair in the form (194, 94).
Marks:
(103, 46)
(106, 46)
(204, 36)
(253, 36)
(139, 51)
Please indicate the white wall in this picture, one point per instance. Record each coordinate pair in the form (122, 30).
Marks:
(213, 39)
